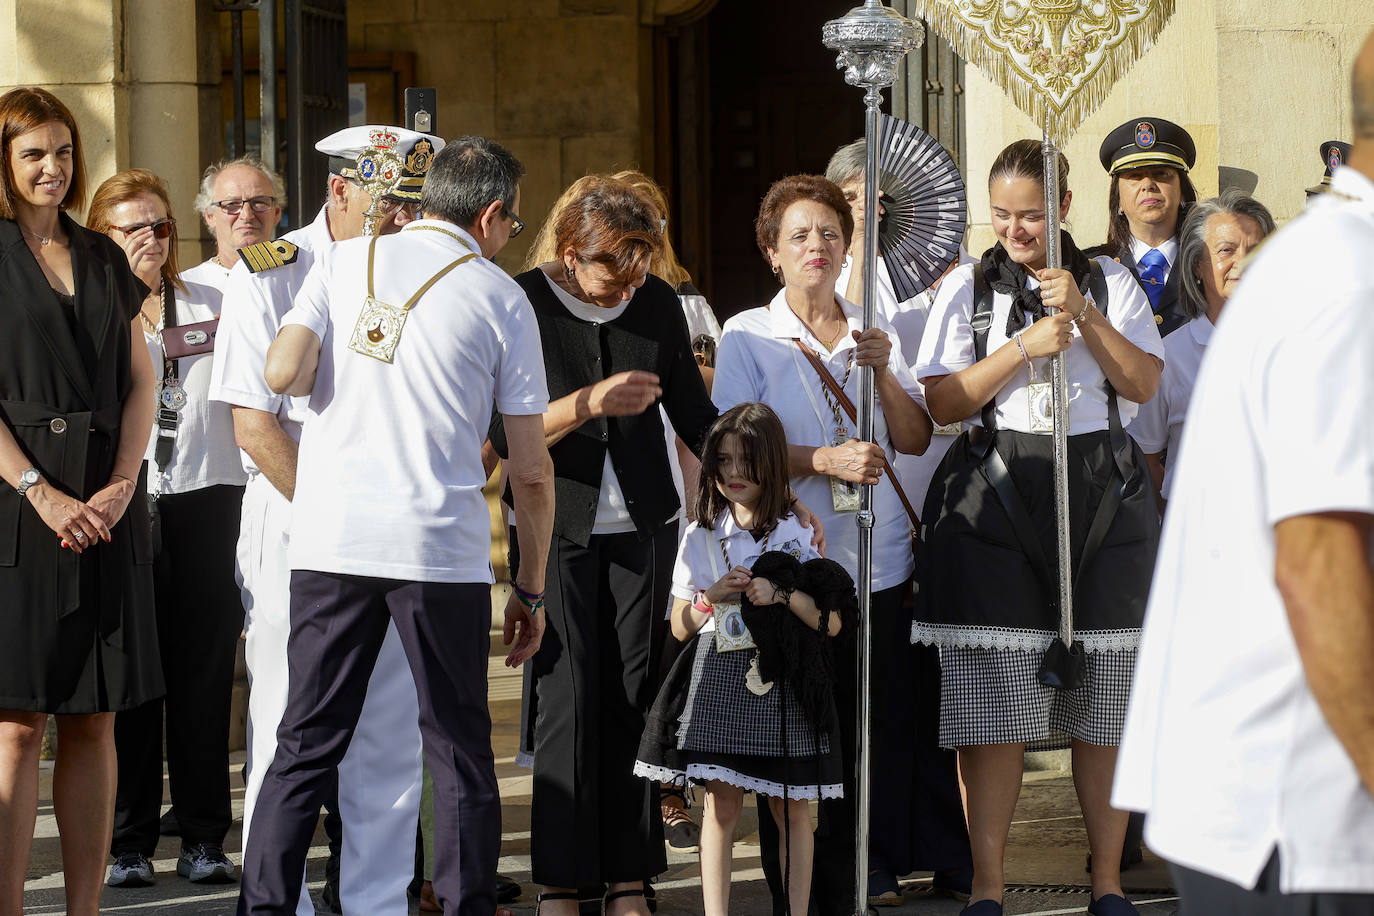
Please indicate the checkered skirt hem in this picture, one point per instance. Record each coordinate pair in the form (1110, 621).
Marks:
(992, 696)
(946, 635)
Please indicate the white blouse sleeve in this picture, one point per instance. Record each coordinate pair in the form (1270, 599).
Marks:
(947, 344)
(737, 376)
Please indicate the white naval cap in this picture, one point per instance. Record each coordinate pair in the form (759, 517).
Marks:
(388, 161)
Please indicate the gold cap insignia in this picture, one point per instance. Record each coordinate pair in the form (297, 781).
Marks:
(420, 158)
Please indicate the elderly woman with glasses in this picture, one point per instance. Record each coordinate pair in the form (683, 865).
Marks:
(76, 405)
(615, 347)
(1217, 236)
(195, 490)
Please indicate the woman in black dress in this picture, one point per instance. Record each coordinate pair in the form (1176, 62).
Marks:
(76, 400)
(615, 347)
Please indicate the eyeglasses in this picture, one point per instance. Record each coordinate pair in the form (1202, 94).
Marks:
(234, 205)
(517, 225)
(161, 227)
(389, 205)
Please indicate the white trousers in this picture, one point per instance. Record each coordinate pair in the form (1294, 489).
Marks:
(380, 776)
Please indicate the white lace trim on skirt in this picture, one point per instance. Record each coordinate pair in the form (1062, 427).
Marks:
(656, 773)
(950, 636)
(705, 771)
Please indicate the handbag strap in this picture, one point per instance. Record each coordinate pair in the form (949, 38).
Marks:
(843, 400)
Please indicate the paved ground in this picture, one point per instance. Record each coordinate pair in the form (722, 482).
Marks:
(1044, 864)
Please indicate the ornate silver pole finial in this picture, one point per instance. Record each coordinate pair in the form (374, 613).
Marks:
(871, 40)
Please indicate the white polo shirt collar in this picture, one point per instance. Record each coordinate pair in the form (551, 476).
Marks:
(783, 323)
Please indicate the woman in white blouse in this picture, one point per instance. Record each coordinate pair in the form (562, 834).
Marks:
(986, 577)
(1216, 238)
(803, 230)
(195, 490)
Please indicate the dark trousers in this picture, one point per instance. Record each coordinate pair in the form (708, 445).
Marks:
(916, 818)
(338, 623)
(199, 619)
(1205, 895)
(593, 820)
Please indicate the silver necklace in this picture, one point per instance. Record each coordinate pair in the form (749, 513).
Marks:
(42, 239)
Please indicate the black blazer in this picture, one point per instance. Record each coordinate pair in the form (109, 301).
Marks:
(66, 414)
(650, 335)
(1169, 310)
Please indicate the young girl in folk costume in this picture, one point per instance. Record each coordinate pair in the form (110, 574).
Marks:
(747, 722)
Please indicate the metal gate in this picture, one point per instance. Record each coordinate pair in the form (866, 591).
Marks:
(316, 73)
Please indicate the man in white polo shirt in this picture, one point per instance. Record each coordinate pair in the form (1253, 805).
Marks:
(415, 337)
(380, 778)
(1250, 737)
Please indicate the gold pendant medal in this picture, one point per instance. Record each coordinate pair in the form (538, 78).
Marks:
(377, 330)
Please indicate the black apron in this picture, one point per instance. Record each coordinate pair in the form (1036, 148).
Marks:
(988, 543)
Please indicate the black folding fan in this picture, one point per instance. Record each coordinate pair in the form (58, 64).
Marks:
(926, 204)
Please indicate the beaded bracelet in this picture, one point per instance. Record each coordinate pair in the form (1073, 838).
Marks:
(1024, 355)
(1087, 304)
(532, 600)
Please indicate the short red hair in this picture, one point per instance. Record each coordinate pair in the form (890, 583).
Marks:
(787, 191)
(26, 109)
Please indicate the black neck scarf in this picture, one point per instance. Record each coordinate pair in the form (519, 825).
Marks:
(1006, 276)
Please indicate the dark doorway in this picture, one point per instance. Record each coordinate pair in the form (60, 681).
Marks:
(751, 96)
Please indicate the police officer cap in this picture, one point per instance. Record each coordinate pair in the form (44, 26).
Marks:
(388, 161)
(1334, 154)
(1145, 142)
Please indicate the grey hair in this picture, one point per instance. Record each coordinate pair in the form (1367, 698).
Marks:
(466, 177)
(1192, 242)
(849, 163)
(206, 196)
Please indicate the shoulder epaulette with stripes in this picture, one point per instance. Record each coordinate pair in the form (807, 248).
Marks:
(266, 256)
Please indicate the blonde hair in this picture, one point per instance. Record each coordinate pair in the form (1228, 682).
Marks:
(664, 263)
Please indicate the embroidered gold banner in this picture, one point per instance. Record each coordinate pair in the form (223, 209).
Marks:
(1053, 57)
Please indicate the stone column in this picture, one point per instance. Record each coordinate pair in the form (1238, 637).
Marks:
(140, 76)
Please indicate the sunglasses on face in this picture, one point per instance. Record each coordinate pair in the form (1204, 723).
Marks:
(161, 227)
(234, 206)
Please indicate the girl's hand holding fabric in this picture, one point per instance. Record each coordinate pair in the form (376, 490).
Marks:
(762, 592)
(732, 583)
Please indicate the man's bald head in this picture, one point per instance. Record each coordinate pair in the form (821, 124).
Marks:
(1362, 93)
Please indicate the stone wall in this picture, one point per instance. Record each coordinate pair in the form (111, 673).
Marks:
(140, 76)
(1259, 85)
(565, 84)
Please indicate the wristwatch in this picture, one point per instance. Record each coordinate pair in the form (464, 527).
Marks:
(27, 479)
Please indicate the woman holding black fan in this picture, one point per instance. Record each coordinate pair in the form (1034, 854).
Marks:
(986, 589)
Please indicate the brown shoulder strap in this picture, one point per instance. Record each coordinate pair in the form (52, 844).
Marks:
(843, 400)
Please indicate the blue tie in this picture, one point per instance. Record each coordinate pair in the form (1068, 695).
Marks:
(1152, 267)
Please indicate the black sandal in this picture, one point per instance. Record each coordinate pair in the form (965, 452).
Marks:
(553, 895)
